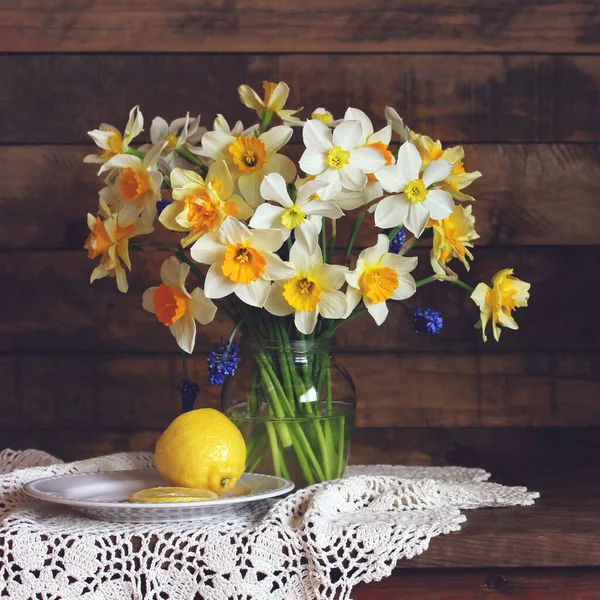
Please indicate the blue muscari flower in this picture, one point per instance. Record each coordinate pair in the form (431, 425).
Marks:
(161, 205)
(427, 321)
(188, 391)
(222, 362)
(397, 241)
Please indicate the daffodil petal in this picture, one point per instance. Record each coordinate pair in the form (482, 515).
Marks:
(148, 299)
(267, 216)
(330, 277)
(416, 218)
(250, 98)
(208, 249)
(267, 240)
(379, 311)
(219, 171)
(355, 114)
(184, 331)
(373, 255)
(274, 188)
(216, 284)
(313, 162)
(307, 235)
(391, 211)
(275, 138)
(279, 96)
(353, 297)
(439, 204)
(409, 160)
(436, 171)
(202, 308)
(392, 178)
(352, 178)
(317, 137)
(159, 130)
(284, 165)
(276, 304)
(367, 159)
(306, 321)
(406, 287)
(254, 293)
(332, 304)
(323, 209)
(275, 268)
(347, 135)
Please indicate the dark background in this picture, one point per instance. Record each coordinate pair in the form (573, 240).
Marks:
(85, 371)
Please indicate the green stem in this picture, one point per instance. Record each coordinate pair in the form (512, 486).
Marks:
(394, 232)
(333, 239)
(266, 119)
(427, 280)
(357, 223)
(340, 466)
(275, 453)
(135, 152)
(463, 285)
(192, 159)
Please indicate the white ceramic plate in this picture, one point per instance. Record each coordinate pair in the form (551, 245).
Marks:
(104, 496)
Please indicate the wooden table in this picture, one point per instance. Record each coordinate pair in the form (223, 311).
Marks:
(550, 550)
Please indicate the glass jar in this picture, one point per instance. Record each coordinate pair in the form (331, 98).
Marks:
(295, 407)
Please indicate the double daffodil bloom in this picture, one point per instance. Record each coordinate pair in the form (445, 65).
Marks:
(413, 202)
(380, 276)
(110, 140)
(242, 262)
(304, 216)
(310, 291)
(110, 240)
(250, 158)
(200, 206)
(452, 238)
(337, 157)
(499, 301)
(137, 184)
(177, 309)
(275, 97)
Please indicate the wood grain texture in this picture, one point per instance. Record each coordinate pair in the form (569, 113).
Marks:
(480, 584)
(522, 196)
(136, 392)
(53, 308)
(453, 97)
(271, 26)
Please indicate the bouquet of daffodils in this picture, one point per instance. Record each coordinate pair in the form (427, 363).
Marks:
(260, 232)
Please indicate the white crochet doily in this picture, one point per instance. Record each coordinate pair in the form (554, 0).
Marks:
(318, 543)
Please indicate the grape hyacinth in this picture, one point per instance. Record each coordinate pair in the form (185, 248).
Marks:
(222, 362)
(161, 205)
(188, 391)
(427, 321)
(397, 241)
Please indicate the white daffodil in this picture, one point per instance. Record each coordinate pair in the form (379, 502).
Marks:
(413, 202)
(380, 276)
(137, 184)
(303, 216)
(175, 307)
(312, 290)
(242, 262)
(110, 140)
(200, 206)
(250, 158)
(110, 240)
(180, 132)
(276, 95)
(320, 114)
(379, 140)
(337, 158)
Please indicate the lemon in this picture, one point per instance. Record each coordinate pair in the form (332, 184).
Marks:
(201, 449)
(172, 494)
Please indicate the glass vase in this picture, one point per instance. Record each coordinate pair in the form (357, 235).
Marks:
(295, 407)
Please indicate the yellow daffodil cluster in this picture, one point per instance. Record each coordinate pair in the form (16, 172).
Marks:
(259, 230)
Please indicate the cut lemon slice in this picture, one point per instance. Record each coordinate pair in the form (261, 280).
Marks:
(172, 494)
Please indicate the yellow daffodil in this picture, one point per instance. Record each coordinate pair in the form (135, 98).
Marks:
(137, 184)
(275, 97)
(242, 261)
(304, 216)
(458, 180)
(310, 291)
(379, 276)
(430, 150)
(499, 301)
(416, 195)
(200, 206)
(110, 240)
(175, 307)
(452, 238)
(250, 158)
(110, 140)
(338, 158)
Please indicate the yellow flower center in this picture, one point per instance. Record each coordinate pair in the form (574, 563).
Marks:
(115, 145)
(378, 283)
(324, 117)
(269, 88)
(248, 153)
(99, 242)
(292, 217)
(170, 304)
(132, 184)
(416, 191)
(302, 293)
(387, 155)
(171, 142)
(243, 264)
(338, 157)
(203, 212)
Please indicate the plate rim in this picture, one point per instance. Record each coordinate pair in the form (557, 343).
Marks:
(100, 504)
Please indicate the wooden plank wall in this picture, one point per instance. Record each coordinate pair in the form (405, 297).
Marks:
(84, 370)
